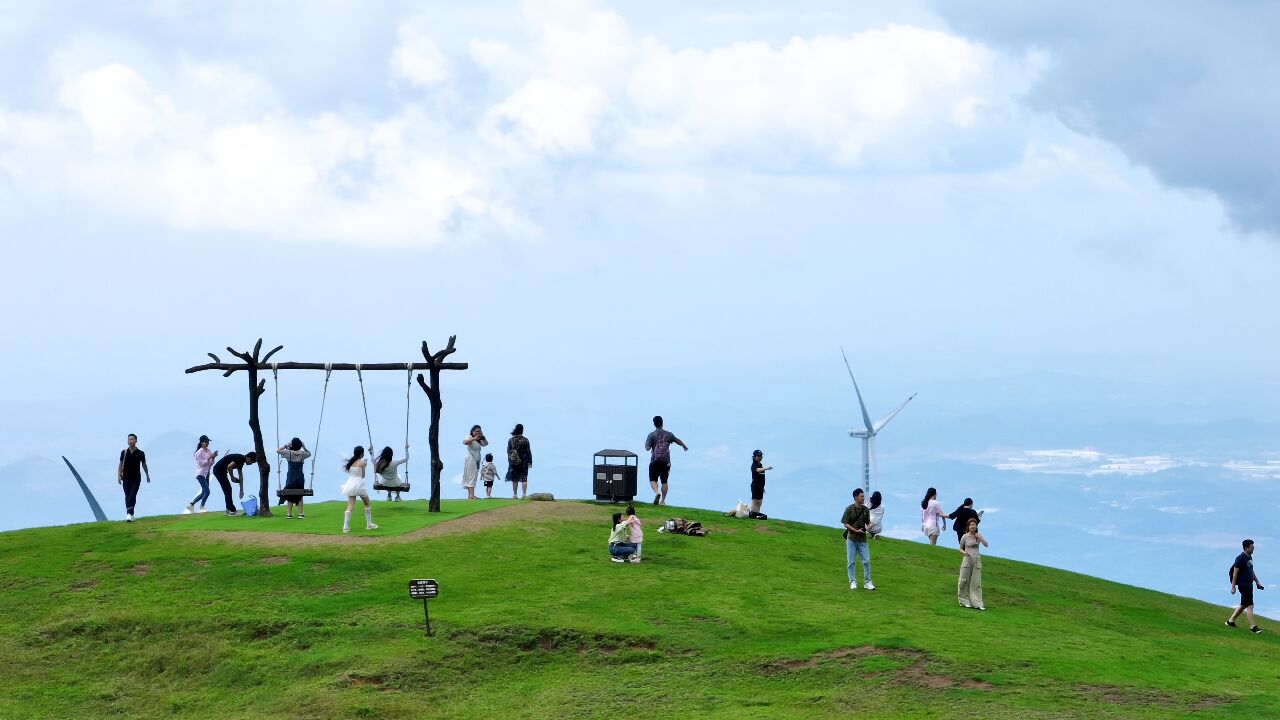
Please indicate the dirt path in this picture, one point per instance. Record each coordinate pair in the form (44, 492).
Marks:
(525, 512)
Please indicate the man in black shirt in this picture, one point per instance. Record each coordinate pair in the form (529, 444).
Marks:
(232, 464)
(1242, 576)
(962, 516)
(133, 462)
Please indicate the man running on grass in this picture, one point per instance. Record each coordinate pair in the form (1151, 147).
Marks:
(1242, 576)
(659, 443)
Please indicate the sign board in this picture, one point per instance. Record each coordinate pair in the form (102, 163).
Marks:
(423, 589)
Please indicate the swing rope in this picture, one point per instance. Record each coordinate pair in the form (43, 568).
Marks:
(315, 449)
(275, 382)
(365, 405)
(407, 392)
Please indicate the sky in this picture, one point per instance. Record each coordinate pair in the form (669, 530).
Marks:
(1061, 228)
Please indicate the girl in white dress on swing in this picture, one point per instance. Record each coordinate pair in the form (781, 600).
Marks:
(354, 487)
(385, 468)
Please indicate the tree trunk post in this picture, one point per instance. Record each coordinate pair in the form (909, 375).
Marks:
(256, 389)
(433, 396)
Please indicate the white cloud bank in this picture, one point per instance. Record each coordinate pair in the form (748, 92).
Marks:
(229, 155)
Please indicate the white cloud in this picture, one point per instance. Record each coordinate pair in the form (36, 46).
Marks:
(549, 116)
(211, 146)
(1086, 462)
(417, 59)
(116, 106)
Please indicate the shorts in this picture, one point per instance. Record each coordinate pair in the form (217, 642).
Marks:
(488, 483)
(1246, 595)
(659, 471)
(757, 489)
(930, 531)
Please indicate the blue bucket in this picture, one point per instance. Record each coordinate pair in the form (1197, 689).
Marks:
(250, 506)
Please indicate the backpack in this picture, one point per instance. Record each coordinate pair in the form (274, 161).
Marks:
(513, 451)
(662, 446)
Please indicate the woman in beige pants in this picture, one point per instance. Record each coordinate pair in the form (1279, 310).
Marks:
(969, 589)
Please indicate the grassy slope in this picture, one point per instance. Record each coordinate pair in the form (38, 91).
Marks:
(755, 620)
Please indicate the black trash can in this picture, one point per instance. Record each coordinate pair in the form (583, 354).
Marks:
(614, 475)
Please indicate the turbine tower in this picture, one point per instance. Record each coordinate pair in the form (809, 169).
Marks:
(868, 435)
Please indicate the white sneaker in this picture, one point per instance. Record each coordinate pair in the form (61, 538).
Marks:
(203, 510)
(617, 559)
(190, 508)
(633, 559)
(346, 529)
(370, 526)
(869, 586)
(128, 518)
(853, 585)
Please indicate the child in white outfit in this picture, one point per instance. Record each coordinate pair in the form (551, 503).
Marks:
(488, 473)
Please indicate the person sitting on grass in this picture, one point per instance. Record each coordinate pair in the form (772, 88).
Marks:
(621, 548)
(637, 532)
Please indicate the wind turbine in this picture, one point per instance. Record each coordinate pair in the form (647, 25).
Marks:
(868, 435)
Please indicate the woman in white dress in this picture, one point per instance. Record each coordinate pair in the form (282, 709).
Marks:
(876, 528)
(932, 519)
(471, 467)
(385, 468)
(354, 487)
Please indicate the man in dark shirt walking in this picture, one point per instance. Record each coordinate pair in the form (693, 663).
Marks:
(855, 520)
(133, 462)
(659, 444)
(962, 516)
(1242, 576)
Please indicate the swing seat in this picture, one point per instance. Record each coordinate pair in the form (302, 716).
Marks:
(403, 487)
(294, 492)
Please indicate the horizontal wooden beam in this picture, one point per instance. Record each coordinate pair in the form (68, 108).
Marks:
(331, 366)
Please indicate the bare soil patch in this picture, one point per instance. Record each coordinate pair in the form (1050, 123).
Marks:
(475, 522)
(140, 569)
(275, 560)
(1134, 696)
(82, 584)
(915, 672)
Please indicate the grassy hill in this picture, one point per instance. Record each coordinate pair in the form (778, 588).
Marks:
(215, 617)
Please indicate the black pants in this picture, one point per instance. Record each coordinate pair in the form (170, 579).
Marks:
(131, 493)
(225, 484)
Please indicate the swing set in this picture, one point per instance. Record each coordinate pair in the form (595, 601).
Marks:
(252, 361)
(285, 493)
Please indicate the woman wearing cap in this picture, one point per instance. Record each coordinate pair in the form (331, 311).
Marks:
(757, 481)
(204, 462)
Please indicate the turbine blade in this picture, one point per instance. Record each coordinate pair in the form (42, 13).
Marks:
(885, 420)
(865, 417)
(88, 495)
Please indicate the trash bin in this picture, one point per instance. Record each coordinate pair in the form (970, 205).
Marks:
(614, 473)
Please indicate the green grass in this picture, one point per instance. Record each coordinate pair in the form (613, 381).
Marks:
(754, 621)
(323, 518)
